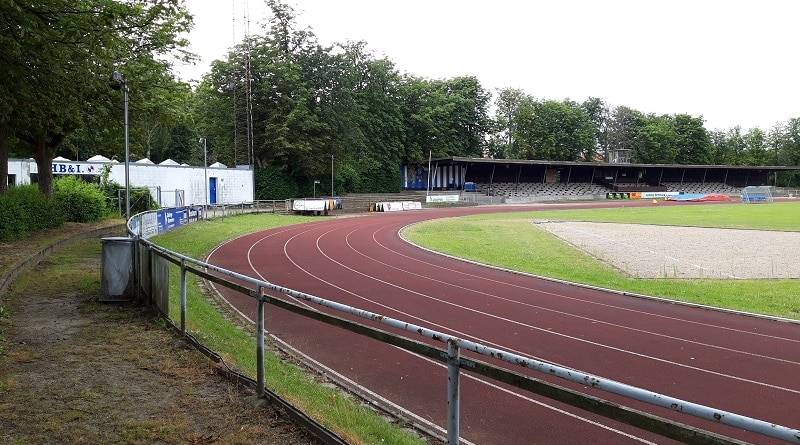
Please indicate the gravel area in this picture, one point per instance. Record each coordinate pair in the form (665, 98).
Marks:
(652, 251)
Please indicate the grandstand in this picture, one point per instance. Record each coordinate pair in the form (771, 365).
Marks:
(519, 181)
(586, 190)
(510, 189)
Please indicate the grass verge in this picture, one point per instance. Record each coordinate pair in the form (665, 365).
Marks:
(81, 372)
(537, 252)
(336, 410)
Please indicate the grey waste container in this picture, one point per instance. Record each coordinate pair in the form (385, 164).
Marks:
(116, 269)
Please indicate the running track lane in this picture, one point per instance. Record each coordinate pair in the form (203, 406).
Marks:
(735, 363)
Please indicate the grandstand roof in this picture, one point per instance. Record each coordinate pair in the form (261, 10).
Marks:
(464, 160)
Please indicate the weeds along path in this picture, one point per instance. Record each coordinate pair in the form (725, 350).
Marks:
(73, 370)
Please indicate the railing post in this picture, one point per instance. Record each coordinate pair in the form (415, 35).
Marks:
(453, 392)
(260, 342)
(183, 297)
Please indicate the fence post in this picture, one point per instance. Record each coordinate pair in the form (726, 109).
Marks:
(453, 392)
(183, 297)
(260, 342)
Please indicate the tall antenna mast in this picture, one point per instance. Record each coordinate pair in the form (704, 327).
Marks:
(233, 86)
(250, 144)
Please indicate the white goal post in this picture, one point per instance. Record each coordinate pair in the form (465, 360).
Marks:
(756, 194)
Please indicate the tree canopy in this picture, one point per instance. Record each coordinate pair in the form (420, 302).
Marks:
(57, 57)
(296, 110)
(301, 104)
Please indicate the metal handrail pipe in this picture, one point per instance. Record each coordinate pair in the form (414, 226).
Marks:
(675, 404)
(671, 403)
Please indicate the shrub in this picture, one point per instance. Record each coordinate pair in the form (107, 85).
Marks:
(23, 209)
(12, 225)
(273, 183)
(80, 201)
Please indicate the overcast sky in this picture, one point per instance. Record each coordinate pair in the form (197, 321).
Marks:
(732, 61)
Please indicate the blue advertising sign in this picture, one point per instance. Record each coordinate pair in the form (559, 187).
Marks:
(160, 223)
(169, 219)
(174, 218)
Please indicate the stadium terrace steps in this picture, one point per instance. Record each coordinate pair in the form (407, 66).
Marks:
(509, 189)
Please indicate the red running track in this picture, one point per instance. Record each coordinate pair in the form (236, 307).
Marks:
(736, 363)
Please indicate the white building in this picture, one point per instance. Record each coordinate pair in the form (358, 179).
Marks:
(169, 183)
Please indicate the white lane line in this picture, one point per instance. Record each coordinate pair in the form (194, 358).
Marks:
(341, 377)
(567, 297)
(532, 327)
(536, 402)
(374, 302)
(530, 400)
(589, 319)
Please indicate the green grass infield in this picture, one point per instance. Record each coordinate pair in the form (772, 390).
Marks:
(485, 239)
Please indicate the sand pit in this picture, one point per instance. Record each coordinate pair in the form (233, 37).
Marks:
(652, 251)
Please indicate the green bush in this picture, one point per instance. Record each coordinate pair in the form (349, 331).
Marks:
(12, 225)
(80, 201)
(23, 209)
(273, 183)
(369, 177)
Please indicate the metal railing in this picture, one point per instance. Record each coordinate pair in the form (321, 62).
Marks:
(451, 355)
(282, 206)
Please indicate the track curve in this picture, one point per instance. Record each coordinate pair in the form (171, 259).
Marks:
(736, 363)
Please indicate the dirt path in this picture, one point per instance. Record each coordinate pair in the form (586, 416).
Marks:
(74, 371)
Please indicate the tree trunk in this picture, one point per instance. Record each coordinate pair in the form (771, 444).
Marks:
(4, 139)
(44, 163)
(44, 148)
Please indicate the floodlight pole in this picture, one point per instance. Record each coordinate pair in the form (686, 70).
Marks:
(315, 188)
(331, 175)
(205, 170)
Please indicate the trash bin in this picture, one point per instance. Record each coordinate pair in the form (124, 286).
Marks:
(116, 270)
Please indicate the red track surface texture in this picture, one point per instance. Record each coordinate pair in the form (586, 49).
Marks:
(735, 363)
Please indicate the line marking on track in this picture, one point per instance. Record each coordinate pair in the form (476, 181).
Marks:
(563, 296)
(382, 400)
(319, 248)
(547, 331)
(593, 320)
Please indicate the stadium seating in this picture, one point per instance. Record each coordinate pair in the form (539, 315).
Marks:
(538, 189)
(555, 189)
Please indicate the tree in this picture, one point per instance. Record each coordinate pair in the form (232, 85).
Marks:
(728, 147)
(507, 104)
(784, 140)
(308, 104)
(598, 113)
(564, 132)
(757, 149)
(468, 117)
(655, 141)
(420, 101)
(375, 133)
(158, 106)
(692, 142)
(58, 56)
(552, 131)
(623, 129)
